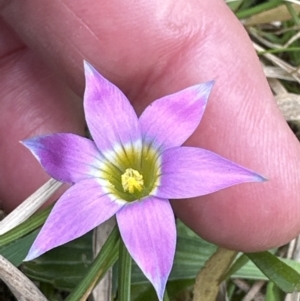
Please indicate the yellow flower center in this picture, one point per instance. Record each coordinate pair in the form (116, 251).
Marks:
(132, 180)
(131, 172)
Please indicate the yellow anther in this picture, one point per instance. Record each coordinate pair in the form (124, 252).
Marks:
(131, 180)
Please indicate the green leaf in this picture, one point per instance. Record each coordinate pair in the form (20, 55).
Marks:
(285, 277)
(237, 265)
(17, 251)
(124, 271)
(258, 9)
(182, 287)
(63, 267)
(142, 292)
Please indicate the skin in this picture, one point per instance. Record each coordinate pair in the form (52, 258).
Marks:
(150, 49)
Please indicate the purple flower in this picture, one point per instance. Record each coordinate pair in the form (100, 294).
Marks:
(131, 169)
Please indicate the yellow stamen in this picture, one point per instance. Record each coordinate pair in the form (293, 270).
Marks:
(131, 180)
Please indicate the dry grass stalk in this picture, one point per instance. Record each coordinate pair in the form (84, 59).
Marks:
(277, 73)
(22, 288)
(293, 71)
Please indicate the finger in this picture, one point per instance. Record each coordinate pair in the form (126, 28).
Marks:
(33, 101)
(152, 49)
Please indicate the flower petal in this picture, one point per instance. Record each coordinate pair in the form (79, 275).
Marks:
(111, 119)
(148, 230)
(66, 157)
(80, 209)
(189, 172)
(171, 120)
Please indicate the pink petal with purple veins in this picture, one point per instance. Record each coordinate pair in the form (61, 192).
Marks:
(80, 209)
(171, 120)
(111, 119)
(66, 157)
(189, 172)
(148, 230)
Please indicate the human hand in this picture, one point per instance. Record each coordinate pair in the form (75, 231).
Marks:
(150, 49)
